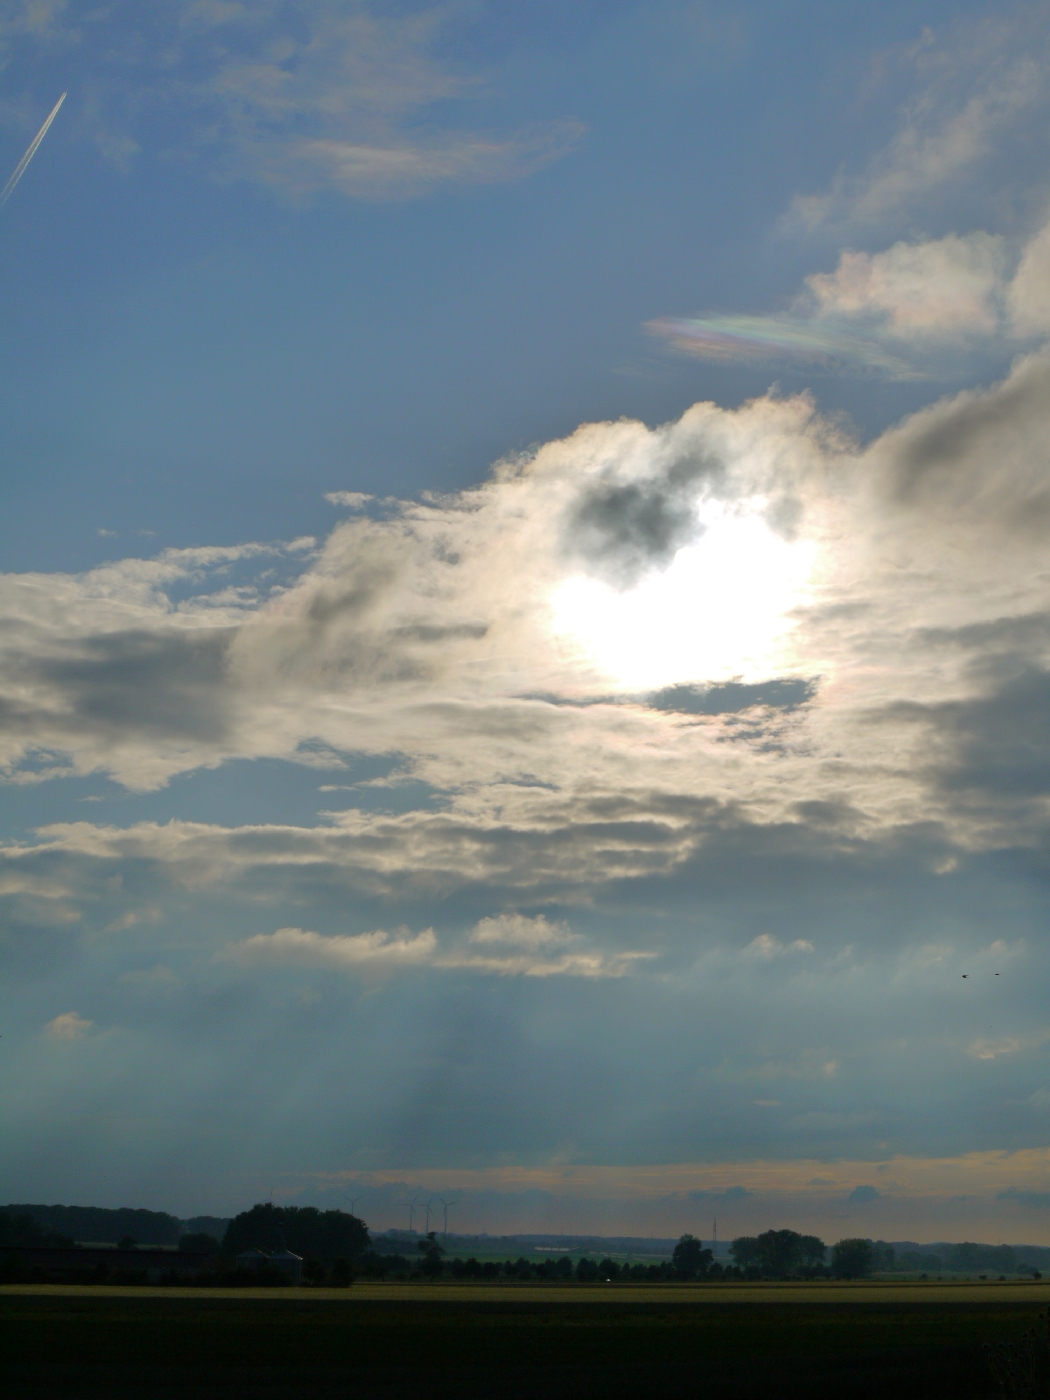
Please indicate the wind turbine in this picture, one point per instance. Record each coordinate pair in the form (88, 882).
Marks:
(446, 1207)
(352, 1199)
(413, 1205)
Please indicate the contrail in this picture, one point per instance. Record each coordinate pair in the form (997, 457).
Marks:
(5, 193)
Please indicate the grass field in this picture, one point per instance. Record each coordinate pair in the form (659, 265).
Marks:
(390, 1340)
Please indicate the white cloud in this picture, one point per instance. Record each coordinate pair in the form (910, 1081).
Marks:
(302, 948)
(1029, 292)
(353, 500)
(520, 930)
(306, 949)
(940, 288)
(68, 1026)
(765, 946)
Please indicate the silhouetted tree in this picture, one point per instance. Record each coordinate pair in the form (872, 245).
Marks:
(22, 1229)
(431, 1252)
(305, 1230)
(778, 1253)
(746, 1252)
(690, 1259)
(852, 1258)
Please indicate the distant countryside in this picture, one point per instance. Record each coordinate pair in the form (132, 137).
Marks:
(333, 1248)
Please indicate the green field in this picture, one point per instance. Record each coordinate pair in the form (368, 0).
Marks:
(386, 1340)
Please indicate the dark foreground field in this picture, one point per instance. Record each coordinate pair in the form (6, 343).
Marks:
(81, 1344)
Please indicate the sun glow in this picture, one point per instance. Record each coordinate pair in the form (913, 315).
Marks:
(719, 611)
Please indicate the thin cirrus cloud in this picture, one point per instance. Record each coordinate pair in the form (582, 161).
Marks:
(976, 85)
(350, 98)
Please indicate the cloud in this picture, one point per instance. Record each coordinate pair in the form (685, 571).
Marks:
(306, 949)
(913, 310)
(434, 637)
(986, 1048)
(1035, 1200)
(68, 1026)
(152, 980)
(352, 500)
(774, 338)
(43, 23)
(974, 85)
(765, 946)
(942, 288)
(354, 99)
(519, 930)
(863, 1196)
(377, 172)
(1029, 292)
(529, 941)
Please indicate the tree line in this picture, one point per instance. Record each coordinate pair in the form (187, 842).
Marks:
(336, 1247)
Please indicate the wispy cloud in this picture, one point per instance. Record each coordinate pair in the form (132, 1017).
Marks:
(528, 956)
(352, 98)
(974, 85)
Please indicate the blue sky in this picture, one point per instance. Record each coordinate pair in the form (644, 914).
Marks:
(524, 617)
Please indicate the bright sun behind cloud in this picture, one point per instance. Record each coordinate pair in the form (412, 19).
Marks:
(721, 610)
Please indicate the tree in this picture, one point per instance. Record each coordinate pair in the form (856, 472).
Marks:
(23, 1230)
(587, 1270)
(852, 1258)
(690, 1259)
(305, 1230)
(746, 1252)
(127, 1242)
(778, 1253)
(431, 1252)
(813, 1251)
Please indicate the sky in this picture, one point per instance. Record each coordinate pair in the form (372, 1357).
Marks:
(525, 612)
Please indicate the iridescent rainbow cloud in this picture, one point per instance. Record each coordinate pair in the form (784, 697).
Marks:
(775, 338)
